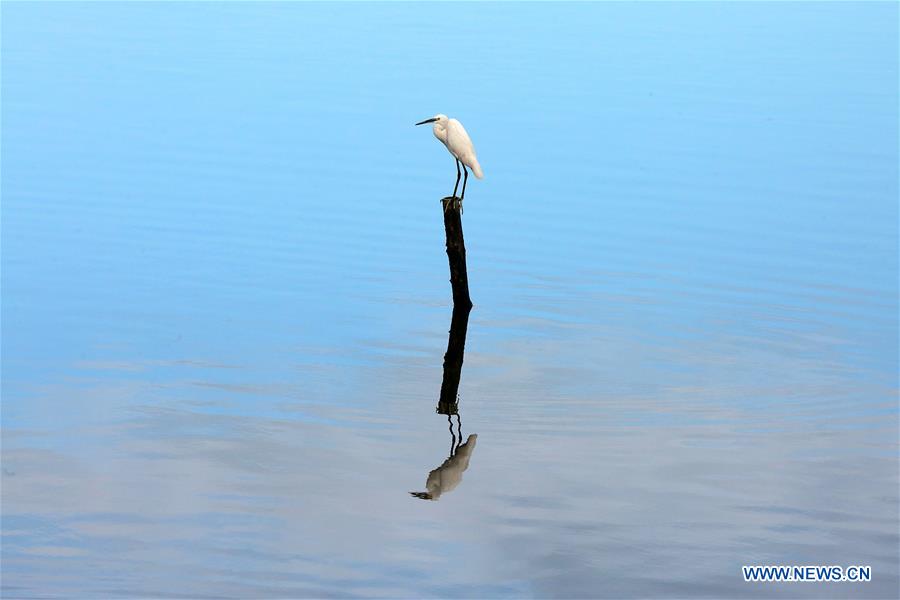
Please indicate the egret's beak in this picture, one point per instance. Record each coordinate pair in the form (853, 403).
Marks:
(427, 121)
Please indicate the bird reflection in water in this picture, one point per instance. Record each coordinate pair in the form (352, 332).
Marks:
(447, 476)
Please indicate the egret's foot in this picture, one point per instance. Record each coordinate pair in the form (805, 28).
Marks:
(452, 201)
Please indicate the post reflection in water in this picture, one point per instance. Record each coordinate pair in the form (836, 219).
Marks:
(447, 476)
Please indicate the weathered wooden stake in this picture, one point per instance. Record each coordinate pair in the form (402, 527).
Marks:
(456, 252)
(462, 304)
(453, 360)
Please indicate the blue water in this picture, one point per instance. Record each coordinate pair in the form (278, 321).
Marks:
(225, 301)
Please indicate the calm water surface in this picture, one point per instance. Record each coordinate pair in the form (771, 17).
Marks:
(225, 299)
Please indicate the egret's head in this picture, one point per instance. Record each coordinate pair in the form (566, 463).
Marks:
(439, 120)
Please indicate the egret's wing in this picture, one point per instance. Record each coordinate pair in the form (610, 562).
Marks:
(452, 470)
(458, 141)
(460, 146)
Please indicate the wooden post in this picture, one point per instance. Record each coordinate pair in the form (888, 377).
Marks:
(456, 252)
(462, 304)
(453, 360)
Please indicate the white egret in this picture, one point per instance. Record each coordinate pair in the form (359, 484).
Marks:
(453, 135)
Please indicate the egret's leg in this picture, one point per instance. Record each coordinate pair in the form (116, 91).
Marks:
(457, 178)
(465, 179)
(452, 436)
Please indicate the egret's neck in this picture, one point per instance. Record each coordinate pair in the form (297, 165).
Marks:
(440, 132)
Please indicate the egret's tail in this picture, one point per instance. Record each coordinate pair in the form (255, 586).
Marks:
(476, 170)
